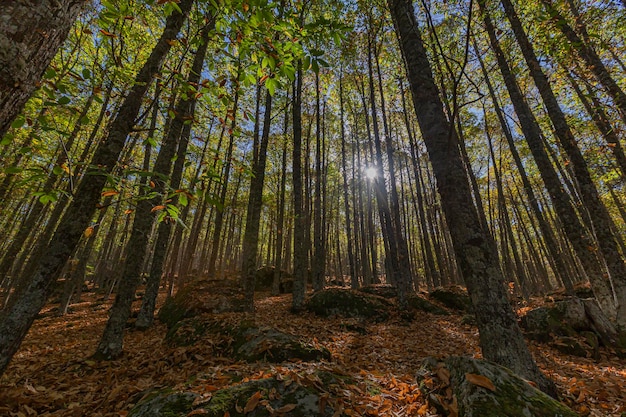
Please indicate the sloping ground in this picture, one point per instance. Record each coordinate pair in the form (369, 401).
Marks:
(52, 375)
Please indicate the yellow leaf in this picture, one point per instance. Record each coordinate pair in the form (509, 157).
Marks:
(88, 232)
(481, 381)
(252, 402)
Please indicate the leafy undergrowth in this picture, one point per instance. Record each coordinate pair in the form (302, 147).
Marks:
(52, 374)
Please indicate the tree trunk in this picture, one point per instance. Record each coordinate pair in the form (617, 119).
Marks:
(598, 213)
(255, 206)
(500, 337)
(180, 128)
(299, 248)
(17, 320)
(574, 229)
(31, 32)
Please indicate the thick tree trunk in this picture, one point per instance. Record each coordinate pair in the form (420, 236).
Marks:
(31, 32)
(16, 321)
(500, 337)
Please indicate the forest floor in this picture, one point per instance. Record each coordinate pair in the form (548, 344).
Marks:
(52, 373)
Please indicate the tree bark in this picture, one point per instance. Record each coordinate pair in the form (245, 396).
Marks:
(31, 33)
(598, 213)
(16, 321)
(500, 337)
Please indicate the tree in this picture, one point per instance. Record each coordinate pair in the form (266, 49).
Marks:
(31, 32)
(16, 321)
(500, 337)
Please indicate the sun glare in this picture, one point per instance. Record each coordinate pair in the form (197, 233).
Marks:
(371, 173)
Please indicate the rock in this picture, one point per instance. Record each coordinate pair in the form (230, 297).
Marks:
(203, 296)
(452, 297)
(469, 319)
(244, 341)
(422, 304)
(164, 403)
(570, 346)
(265, 279)
(470, 387)
(382, 290)
(349, 303)
(271, 345)
(568, 318)
(258, 398)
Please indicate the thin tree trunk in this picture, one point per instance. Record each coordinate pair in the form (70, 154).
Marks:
(598, 213)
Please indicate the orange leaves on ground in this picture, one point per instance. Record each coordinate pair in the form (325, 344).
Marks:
(481, 381)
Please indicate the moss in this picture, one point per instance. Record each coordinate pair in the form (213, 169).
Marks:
(422, 304)
(164, 403)
(452, 297)
(173, 309)
(513, 397)
(348, 303)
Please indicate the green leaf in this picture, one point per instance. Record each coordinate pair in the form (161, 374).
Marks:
(18, 122)
(7, 139)
(86, 74)
(64, 100)
(271, 84)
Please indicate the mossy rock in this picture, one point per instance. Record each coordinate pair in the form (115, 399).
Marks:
(349, 303)
(452, 297)
(587, 347)
(244, 340)
(203, 296)
(564, 318)
(478, 388)
(190, 331)
(469, 319)
(272, 345)
(295, 398)
(423, 304)
(382, 290)
(164, 403)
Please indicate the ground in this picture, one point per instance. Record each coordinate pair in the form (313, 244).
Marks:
(52, 375)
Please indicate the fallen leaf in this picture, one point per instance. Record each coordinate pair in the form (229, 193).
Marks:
(481, 381)
(252, 402)
(286, 408)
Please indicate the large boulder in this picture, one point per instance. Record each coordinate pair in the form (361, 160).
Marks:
(349, 303)
(422, 304)
(302, 397)
(466, 387)
(453, 297)
(244, 340)
(382, 290)
(572, 325)
(264, 280)
(203, 296)
(164, 403)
